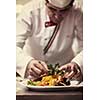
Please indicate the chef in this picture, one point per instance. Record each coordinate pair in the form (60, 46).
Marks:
(46, 30)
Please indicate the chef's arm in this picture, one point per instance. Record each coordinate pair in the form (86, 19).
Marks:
(79, 34)
(23, 28)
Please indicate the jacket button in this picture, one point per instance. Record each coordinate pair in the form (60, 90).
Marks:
(45, 39)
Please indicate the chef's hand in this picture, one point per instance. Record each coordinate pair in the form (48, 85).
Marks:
(35, 69)
(72, 71)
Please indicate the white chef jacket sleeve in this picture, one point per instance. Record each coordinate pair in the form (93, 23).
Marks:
(79, 34)
(79, 60)
(23, 28)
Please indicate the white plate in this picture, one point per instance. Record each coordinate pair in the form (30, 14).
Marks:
(55, 88)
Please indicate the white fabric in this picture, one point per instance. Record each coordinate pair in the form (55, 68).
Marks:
(19, 8)
(60, 3)
(32, 37)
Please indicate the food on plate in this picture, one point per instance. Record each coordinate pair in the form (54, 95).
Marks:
(53, 78)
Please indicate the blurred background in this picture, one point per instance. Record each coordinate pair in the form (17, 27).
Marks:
(22, 2)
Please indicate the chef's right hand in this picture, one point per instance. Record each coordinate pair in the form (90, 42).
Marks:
(36, 68)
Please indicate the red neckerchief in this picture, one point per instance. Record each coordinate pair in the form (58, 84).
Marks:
(49, 24)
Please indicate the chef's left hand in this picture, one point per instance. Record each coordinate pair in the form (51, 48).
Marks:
(72, 71)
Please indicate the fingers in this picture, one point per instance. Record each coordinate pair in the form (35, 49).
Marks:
(72, 70)
(69, 75)
(78, 74)
(44, 65)
(65, 67)
(37, 68)
(32, 73)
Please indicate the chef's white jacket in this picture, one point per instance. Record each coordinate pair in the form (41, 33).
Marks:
(32, 37)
